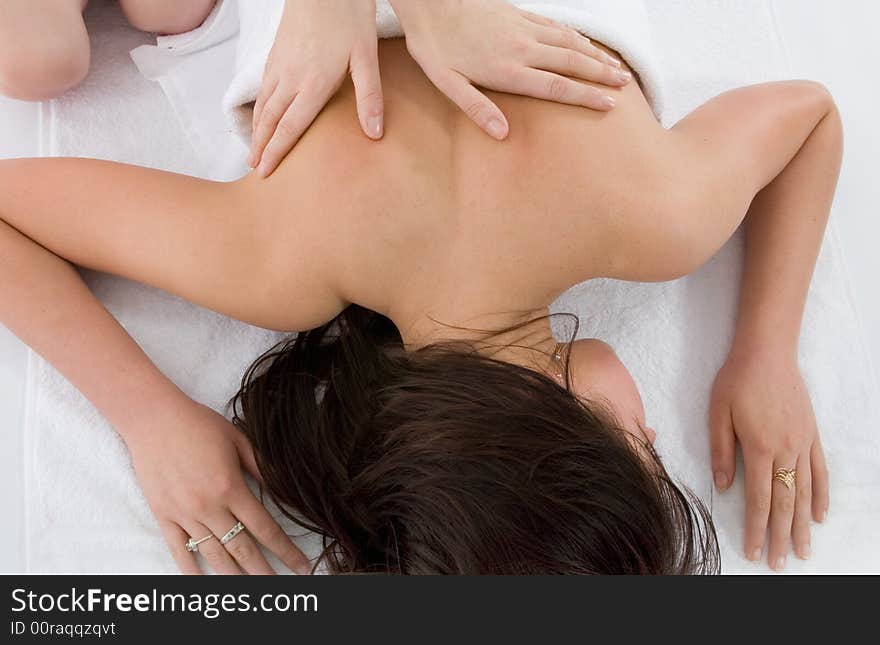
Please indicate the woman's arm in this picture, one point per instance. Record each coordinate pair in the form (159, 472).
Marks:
(759, 396)
(769, 153)
(44, 301)
(776, 148)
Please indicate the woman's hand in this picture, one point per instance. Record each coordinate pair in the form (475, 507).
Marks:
(760, 400)
(318, 42)
(189, 459)
(495, 45)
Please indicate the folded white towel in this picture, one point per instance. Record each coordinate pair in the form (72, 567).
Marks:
(193, 69)
(85, 511)
(619, 24)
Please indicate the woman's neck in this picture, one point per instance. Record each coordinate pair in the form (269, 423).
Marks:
(523, 338)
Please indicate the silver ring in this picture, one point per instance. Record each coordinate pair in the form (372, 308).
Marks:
(231, 533)
(192, 545)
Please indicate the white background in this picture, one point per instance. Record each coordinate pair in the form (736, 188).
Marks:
(832, 42)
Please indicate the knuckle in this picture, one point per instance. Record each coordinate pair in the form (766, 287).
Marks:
(201, 504)
(224, 486)
(572, 61)
(520, 47)
(556, 88)
(786, 504)
(241, 550)
(286, 128)
(804, 491)
(214, 556)
(759, 502)
(372, 94)
(270, 114)
(791, 441)
(762, 448)
(474, 110)
(567, 37)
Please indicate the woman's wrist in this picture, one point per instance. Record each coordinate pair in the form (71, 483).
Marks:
(140, 414)
(764, 345)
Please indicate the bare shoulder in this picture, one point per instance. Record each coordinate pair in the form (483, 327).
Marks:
(203, 241)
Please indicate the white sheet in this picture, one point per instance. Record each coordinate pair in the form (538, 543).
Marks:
(91, 557)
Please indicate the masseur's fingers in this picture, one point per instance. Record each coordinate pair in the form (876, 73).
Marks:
(296, 120)
(566, 38)
(241, 547)
(553, 87)
(266, 90)
(472, 102)
(800, 526)
(820, 481)
(271, 113)
(265, 529)
(368, 89)
(213, 552)
(781, 516)
(176, 539)
(758, 472)
(723, 442)
(571, 63)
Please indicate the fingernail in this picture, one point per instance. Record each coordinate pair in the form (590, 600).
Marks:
(823, 516)
(624, 77)
(250, 160)
(495, 129)
(608, 101)
(262, 170)
(720, 480)
(805, 552)
(780, 563)
(614, 62)
(756, 555)
(374, 126)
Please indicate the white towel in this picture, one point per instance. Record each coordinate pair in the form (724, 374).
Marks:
(193, 70)
(619, 24)
(85, 511)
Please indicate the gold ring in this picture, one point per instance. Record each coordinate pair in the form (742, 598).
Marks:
(785, 476)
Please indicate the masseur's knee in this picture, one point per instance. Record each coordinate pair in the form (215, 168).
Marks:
(41, 61)
(166, 16)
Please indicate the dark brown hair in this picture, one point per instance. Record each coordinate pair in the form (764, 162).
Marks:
(443, 460)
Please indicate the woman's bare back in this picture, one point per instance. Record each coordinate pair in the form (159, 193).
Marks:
(440, 209)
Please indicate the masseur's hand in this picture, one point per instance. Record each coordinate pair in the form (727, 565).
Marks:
(318, 42)
(189, 459)
(760, 400)
(495, 45)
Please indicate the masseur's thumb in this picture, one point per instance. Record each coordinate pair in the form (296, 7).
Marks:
(368, 90)
(723, 445)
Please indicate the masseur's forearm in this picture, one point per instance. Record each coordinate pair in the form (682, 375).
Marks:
(784, 231)
(44, 301)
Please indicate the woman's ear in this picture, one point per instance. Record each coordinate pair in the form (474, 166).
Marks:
(585, 359)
